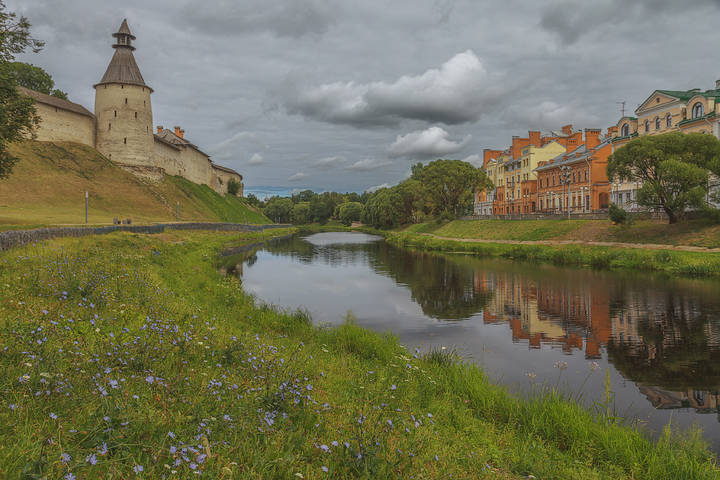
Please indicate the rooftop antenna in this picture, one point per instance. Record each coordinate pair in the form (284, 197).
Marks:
(622, 109)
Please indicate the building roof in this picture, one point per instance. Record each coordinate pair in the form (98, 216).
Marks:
(226, 169)
(55, 102)
(691, 120)
(580, 153)
(167, 136)
(686, 95)
(123, 68)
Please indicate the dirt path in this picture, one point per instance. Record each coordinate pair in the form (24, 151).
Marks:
(646, 246)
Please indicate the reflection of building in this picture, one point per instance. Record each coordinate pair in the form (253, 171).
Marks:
(702, 401)
(574, 315)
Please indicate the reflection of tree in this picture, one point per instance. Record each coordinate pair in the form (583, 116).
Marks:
(675, 346)
(444, 289)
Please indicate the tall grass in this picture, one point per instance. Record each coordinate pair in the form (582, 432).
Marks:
(130, 356)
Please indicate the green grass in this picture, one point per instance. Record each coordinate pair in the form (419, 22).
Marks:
(697, 232)
(134, 349)
(48, 185)
(692, 264)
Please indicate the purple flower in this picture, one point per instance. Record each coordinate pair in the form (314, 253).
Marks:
(53, 416)
(324, 448)
(65, 458)
(150, 379)
(173, 449)
(324, 468)
(393, 387)
(102, 449)
(91, 459)
(193, 466)
(171, 435)
(69, 476)
(12, 406)
(138, 468)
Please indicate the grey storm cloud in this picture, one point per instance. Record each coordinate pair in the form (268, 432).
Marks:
(284, 18)
(345, 95)
(570, 19)
(432, 142)
(456, 92)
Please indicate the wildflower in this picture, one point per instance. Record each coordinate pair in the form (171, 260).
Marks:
(171, 435)
(91, 459)
(12, 406)
(560, 365)
(334, 443)
(69, 476)
(531, 375)
(150, 379)
(594, 366)
(65, 458)
(324, 469)
(102, 449)
(324, 448)
(138, 468)
(53, 416)
(393, 387)
(193, 466)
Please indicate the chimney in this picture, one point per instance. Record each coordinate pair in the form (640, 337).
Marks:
(567, 129)
(177, 131)
(717, 84)
(182, 133)
(592, 138)
(159, 128)
(534, 138)
(612, 131)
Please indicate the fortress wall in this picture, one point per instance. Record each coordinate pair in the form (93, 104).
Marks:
(58, 125)
(168, 159)
(221, 179)
(197, 166)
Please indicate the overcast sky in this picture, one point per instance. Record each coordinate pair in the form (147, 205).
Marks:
(346, 95)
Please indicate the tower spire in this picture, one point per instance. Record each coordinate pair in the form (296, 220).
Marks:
(123, 36)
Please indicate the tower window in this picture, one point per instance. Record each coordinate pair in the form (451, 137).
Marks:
(135, 115)
(125, 140)
(125, 100)
(116, 113)
(122, 86)
(109, 126)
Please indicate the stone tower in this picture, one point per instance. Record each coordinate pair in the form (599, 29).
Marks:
(122, 107)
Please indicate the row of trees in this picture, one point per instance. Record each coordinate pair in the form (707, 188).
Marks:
(440, 188)
(674, 170)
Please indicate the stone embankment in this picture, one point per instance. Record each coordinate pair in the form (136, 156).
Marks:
(15, 238)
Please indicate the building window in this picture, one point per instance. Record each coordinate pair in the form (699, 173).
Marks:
(135, 115)
(657, 123)
(697, 110)
(625, 130)
(553, 180)
(668, 121)
(125, 140)
(586, 175)
(647, 125)
(109, 126)
(574, 179)
(125, 100)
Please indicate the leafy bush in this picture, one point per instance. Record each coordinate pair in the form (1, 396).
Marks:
(618, 214)
(233, 187)
(349, 212)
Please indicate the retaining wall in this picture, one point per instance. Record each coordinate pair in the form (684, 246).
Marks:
(15, 238)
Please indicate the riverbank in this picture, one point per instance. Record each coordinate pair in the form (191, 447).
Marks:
(131, 355)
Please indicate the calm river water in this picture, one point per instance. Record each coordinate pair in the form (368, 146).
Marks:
(658, 337)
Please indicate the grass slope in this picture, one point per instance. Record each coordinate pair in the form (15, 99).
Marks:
(129, 355)
(701, 233)
(49, 182)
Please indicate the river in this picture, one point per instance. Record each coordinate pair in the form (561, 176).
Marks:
(528, 326)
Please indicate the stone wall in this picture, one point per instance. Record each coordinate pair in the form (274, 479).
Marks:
(221, 178)
(124, 124)
(58, 125)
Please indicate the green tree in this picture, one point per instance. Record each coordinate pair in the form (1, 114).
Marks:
(233, 187)
(321, 208)
(301, 213)
(279, 209)
(349, 212)
(673, 170)
(18, 117)
(448, 185)
(34, 78)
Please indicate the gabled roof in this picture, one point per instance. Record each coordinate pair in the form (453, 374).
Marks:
(578, 154)
(56, 102)
(167, 136)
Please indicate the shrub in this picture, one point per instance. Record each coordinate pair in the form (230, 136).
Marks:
(233, 187)
(618, 215)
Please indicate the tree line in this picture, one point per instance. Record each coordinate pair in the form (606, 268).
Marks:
(443, 188)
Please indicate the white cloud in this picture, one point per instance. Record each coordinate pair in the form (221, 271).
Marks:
(456, 92)
(328, 162)
(256, 159)
(432, 142)
(377, 187)
(367, 164)
(549, 115)
(297, 177)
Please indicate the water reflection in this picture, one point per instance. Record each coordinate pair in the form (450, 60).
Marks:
(659, 336)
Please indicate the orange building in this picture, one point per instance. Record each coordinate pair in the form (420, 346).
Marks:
(576, 182)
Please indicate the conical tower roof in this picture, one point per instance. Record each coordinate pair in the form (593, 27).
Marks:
(123, 68)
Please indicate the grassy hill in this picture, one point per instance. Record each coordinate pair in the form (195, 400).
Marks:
(49, 182)
(700, 232)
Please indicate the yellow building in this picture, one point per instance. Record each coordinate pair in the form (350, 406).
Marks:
(665, 111)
